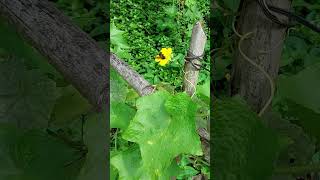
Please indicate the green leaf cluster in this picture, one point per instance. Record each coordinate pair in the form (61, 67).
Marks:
(147, 27)
(157, 131)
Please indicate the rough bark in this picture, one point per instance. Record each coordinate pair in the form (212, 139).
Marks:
(142, 86)
(268, 37)
(205, 143)
(197, 44)
(199, 177)
(70, 50)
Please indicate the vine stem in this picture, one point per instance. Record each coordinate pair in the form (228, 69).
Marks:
(272, 86)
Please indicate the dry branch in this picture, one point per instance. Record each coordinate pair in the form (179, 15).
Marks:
(142, 86)
(197, 44)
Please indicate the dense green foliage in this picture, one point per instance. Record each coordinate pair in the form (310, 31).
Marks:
(154, 137)
(295, 117)
(148, 27)
(240, 134)
(47, 129)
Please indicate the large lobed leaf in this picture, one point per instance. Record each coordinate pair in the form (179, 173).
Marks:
(120, 112)
(301, 87)
(27, 97)
(129, 165)
(95, 138)
(69, 107)
(34, 155)
(164, 127)
(118, 88)
(243, 148)
(303, 116)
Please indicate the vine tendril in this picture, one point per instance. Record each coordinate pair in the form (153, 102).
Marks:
(272, 86)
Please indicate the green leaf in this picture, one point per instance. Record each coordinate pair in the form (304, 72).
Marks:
(191, 3)
(24, 155)
(12, 43)
(232, 4)
(294, 48)
(119, 44)
(95, 138)
(99, 30)
(118, 88)
(312, 57)
(204, 89)
(171, 11)
(8, 136)
(160, 133)
(69, 107)
(294, 142)
(33, 148)
(184, 161)
(117, 38)
(128, 163)
(305, 117)
(240, 141)
(162, 86)
(300, 88)
(113, 173)
(186, 172)
(27, 97)
(120, 115)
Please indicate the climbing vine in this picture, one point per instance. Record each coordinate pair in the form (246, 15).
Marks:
(291, 138)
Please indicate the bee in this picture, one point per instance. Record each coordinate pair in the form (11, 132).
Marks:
(161, 56)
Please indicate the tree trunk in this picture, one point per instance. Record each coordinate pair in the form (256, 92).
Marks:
(264, 47)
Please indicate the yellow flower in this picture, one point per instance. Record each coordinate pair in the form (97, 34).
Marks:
(164, 57)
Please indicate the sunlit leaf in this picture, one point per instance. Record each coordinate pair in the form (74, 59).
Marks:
(160, 133)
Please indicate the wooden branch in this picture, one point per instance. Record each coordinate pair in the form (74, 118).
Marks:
(199, 177)
(142, 86)
(70, 50)
(203, 133)
(264, 47)
(197, 44)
